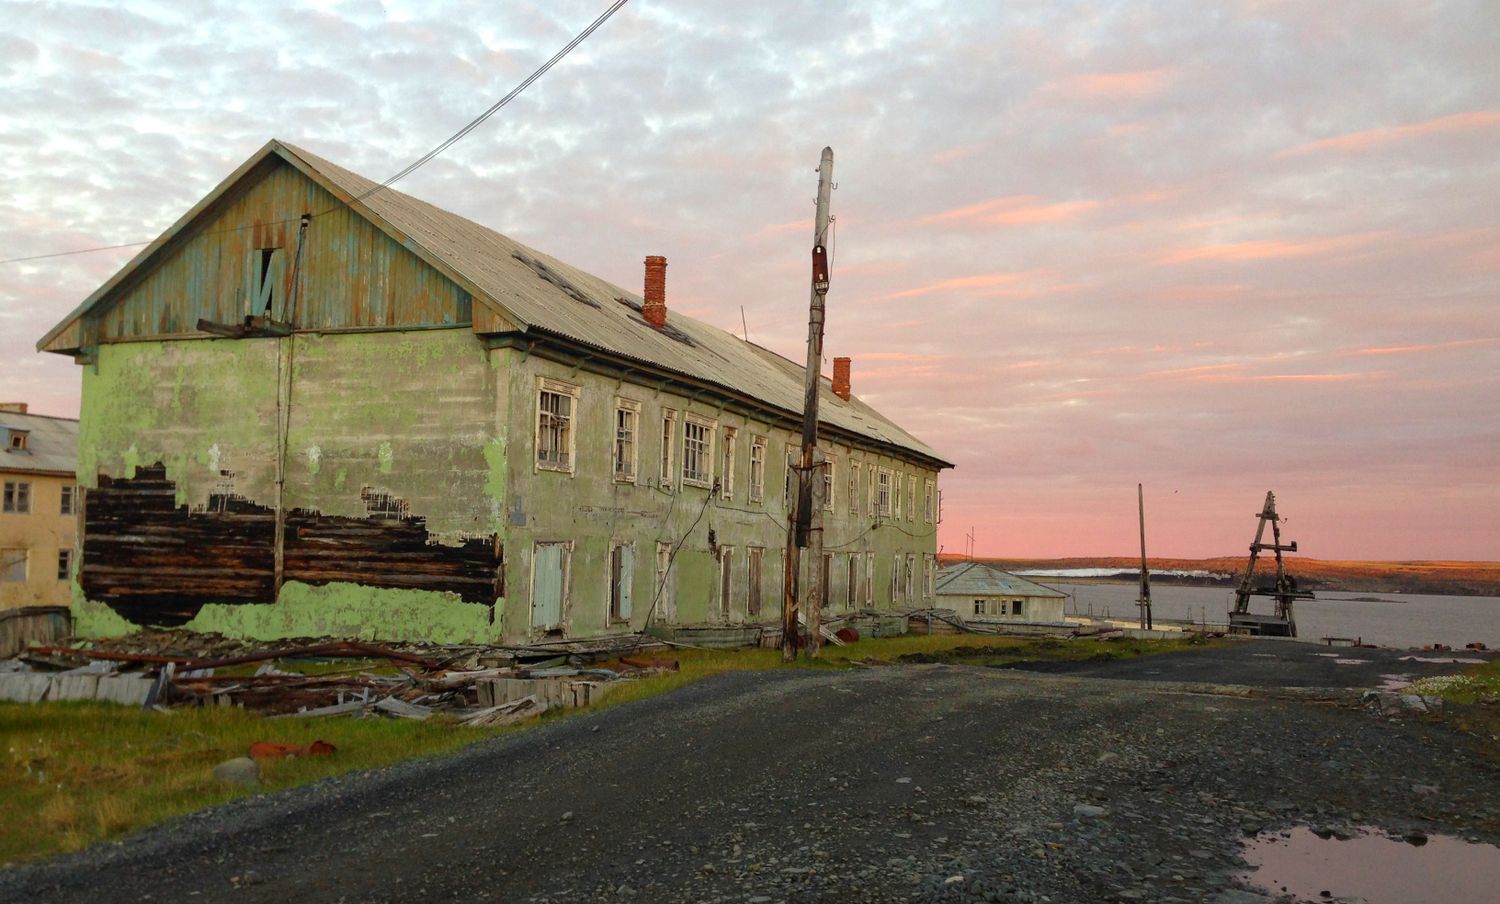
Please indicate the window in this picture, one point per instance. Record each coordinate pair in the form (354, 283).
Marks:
(627, 420)
(851, 589)
(68, 491)
(726, 466)
(621, 577)
(756, 555)
(827, 581)
(549, 584)
(554, 425)
(790, 488)
(853, 489)
(264, 279)
(979, 607)
(64, 564)
(911, 498)
(726, 581)
(869, 579)
(17, 498)
(927, 503)
(828, 486)
(757, 468)
(883, 492)
(668, 429)
(909, 586)
(697, 452)
(1016, 606)
(929, 576)
(895, 507)
(896, 578)
(12, 566)
(15, 439)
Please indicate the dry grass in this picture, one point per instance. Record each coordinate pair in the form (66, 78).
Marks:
(76, 773)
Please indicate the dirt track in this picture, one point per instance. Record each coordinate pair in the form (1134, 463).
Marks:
(902, 783)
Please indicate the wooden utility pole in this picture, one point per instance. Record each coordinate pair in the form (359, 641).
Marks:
(1145, 601)
(805, 528)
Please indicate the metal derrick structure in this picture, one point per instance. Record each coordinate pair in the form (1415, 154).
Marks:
(1284, 590)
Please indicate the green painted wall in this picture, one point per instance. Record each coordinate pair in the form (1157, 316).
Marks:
(349, 610)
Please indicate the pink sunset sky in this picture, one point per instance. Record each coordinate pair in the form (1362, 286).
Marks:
(1216, 248)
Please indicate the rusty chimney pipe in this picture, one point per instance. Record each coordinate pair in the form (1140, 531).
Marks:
(655, 294)
(841, 378)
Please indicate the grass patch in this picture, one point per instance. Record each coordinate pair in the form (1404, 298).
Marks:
(76, 773)
(1475, 684)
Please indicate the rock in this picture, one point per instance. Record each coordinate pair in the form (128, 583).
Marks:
(1088, 811)
(1424, 789)
(1413, 702)
(1107, 756)
(904, 780)
(251, 877)
(567, 816)
(241, 771)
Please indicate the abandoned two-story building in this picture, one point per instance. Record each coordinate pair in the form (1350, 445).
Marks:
(315, 406)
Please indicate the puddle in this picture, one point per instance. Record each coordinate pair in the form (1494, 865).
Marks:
(1445, 660)
(1371, 866)
(1394, 682)
(1351, 662)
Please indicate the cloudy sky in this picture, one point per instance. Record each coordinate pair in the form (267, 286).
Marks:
(1217, 248)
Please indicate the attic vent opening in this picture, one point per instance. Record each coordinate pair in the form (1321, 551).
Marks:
(264, 280)
(16, 440)
(557, 279)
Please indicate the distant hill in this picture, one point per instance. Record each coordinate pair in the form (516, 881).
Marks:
(1457, 578)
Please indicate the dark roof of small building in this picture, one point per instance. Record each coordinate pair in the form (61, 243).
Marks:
(981, 579)
(51, 444)
(541, 295)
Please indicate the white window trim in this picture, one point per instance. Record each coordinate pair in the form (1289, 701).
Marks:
(758, 491)
(928, 501)
(830, 484)
(668, 458)
(609, 583)
(911, 497)
(895, 504)
(854, 488)
(624, 404)
(727, 449)
(883, 509)
(546, 384)
(726, 582)
(711, 430)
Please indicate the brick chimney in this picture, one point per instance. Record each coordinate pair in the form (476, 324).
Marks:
(655, 295)
(841, 378)
(13, 407)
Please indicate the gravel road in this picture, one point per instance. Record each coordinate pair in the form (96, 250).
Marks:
(923, 782)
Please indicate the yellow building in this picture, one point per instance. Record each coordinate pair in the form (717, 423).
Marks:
(38, 507)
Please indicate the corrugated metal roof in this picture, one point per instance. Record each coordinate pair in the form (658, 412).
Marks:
(980, 579)
(496, 265)
(51, 443)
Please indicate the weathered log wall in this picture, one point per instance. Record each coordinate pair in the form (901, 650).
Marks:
(156, 562)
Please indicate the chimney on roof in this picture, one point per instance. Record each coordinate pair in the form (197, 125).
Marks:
(655, 295)
(13, 407)
(841, 378)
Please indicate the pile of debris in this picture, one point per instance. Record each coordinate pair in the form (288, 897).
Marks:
(480, 686)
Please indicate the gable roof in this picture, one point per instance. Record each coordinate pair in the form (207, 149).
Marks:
(981, 579)
(51, 444)
(537, 294)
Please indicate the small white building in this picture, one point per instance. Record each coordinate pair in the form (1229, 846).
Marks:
(980, 592)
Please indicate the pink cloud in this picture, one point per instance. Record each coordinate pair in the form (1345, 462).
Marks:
(1418, 349)
(1116, 85)
(980, 281)
(1269, 248)
(1013, 210)
(959, 152)
(1373, 138)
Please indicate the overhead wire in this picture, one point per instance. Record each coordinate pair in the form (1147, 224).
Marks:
(404, 171)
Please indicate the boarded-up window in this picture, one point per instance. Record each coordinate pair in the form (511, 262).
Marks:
(549, 585)
(17, 497)
(12, 566)
(666, 601)
(755, 556)
(911, 498)
(726, 580)
(621, 576)
(927, 504)
(726, 464)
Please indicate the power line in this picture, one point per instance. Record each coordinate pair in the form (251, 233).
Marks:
(406, 170)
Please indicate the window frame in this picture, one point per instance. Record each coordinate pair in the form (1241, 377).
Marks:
(68, 500)
(726, 582)
(911, 497)
(15, 497)
(710, 428)
(757, 489)
(668, 457)
(548, 386)
(64, 564)
(927, 505)
(631, 407)
(728, 439)
(883, 493)
(854, 488)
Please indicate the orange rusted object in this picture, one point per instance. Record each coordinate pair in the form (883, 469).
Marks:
(266, 750)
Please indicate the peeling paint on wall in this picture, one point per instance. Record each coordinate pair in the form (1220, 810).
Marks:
(348, 610)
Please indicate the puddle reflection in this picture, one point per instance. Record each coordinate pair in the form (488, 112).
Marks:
(1372, 866)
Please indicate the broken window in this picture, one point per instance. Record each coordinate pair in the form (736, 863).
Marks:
(15, 439)
(12, 566)
(883, 492)
(828, 486)
(979, 607)
(697, 451)
(755, 556)
(668, 429)
(64, 564)
(17, 497)
(265, 279)
(66, 507)
(621, 576)
(627, 416)
(1016, 606)
(726, 465)
(909, 585)
(757, 468)
(554, 426)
